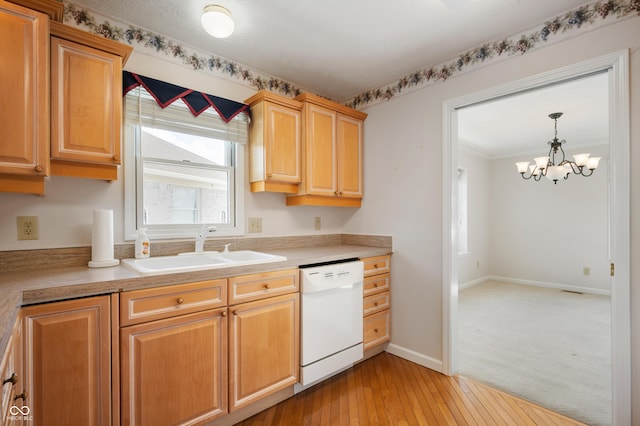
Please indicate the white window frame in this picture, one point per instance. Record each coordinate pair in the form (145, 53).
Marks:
(133, 195)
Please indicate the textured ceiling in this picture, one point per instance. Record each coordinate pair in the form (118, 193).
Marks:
(339, 48)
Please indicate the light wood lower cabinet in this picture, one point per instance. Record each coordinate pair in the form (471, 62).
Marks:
(174, 371)
(264, 335)
(173, 354)
(377, 301)
(67, 361)
(15, 408)
(263, 348)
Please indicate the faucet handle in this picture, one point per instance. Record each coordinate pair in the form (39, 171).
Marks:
(226, 248)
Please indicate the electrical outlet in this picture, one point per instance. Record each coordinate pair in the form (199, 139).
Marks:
(317, 223)
(28, 228)
(255, 224)
(586, 271)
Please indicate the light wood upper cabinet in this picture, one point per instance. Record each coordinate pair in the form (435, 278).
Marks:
(67, 361)
(332, 152)
(349, 162)
(275, 143)
(86, 103)
(24, 112)
(263, 348)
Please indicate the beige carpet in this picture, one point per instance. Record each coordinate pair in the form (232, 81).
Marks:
(547, 346)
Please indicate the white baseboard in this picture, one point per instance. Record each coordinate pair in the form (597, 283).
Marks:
(474, 282)
(413, 356)
(551, 285)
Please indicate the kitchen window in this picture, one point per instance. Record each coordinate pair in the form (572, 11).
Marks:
(181, 171)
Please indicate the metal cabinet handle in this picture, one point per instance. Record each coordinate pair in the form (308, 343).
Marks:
(13, 380)
(22, 396)
(180, 301)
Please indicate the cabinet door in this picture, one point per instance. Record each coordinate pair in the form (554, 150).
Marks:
(321, 151)
(86, 106)
(282, 144)
(349, 157)
(173, 371)
(15, 406)
(24, 84)
(263, 348)
(68, 361)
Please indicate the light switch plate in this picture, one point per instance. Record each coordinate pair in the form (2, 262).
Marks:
(255, 224)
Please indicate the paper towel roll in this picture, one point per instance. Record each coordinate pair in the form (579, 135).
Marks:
(102, 240)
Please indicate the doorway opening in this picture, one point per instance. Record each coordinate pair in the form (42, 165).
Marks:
(618, 213)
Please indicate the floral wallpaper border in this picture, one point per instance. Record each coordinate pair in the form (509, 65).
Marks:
(590, 16)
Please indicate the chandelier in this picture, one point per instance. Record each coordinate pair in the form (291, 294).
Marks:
(547, 166)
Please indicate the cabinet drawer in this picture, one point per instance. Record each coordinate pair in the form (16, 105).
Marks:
(164, 302)
(257, 286)
(376, 284)
(376, 265)
(376, 303)
(377, 329)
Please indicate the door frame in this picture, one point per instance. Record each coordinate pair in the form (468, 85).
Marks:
(617, 64)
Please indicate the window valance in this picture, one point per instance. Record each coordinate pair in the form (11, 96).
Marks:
(197, 102)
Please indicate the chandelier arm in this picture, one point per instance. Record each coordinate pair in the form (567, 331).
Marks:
(586, 172)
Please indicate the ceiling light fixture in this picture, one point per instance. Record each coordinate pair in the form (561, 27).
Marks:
(216, 21)
(547, 166)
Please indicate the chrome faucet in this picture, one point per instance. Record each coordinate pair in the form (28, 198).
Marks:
(201, 236)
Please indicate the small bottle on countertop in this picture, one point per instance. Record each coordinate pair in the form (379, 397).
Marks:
(143, 245)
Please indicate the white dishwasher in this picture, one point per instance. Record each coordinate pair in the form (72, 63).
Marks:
(331, 317)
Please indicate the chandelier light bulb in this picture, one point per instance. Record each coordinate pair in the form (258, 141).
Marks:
(593, 162)
(216, 21)
(581, 159)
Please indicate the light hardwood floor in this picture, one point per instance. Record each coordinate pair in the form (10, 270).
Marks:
(388, 390)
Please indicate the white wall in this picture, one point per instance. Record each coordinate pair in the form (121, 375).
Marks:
(546, 233)
(476, 263)
(65, 212)
(403, 164)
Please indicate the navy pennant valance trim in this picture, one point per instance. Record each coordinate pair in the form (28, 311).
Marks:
(197, 102)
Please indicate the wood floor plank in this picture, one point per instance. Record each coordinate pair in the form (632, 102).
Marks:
(388, 390)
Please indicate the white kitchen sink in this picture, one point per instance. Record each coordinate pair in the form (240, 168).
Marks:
(197, 262)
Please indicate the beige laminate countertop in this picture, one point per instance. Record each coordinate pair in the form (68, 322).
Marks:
(27, 288)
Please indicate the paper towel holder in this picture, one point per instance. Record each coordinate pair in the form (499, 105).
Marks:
(103, 263)
(102, 240)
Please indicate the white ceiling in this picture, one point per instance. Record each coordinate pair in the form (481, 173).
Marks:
(520, 124)
(340, 48)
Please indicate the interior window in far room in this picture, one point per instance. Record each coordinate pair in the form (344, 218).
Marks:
(462, 211)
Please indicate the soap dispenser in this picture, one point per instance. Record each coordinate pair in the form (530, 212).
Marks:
(143, 245)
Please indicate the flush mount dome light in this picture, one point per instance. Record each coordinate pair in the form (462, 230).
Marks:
(216, 21)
